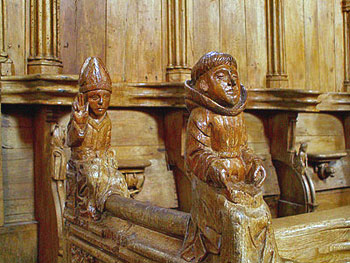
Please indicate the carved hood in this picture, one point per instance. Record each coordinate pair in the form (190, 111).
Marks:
(194, 99)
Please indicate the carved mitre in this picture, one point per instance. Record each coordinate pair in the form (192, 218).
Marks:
(94, 76)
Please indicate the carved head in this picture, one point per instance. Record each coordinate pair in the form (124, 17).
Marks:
(215, 75)
(96, 85)
(303, 147)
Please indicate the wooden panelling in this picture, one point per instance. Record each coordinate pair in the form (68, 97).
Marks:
(332, 199)
(18, 243)
(131, 37)
(68, 25)
(17, 165)
(255, 20)
(233, 34)
(326, 45)
(323, 132)
(15, 41)
(338, 47)
(312, 78)
(91, 30)
(294, 35)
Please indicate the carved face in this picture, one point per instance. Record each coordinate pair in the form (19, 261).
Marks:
(223, 85)
(98, 102)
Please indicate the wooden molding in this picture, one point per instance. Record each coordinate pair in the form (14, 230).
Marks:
(346, 30)
(276, 70)
(61, 89)
(178, 23)
(44, 37)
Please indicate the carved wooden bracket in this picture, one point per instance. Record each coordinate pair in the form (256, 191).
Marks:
(276, 70)
(44, 37)
(178, 23)
(346, 26)
(322, 163)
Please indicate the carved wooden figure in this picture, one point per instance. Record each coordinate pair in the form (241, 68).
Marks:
(230, 222)
(92, 169)
(57, 166)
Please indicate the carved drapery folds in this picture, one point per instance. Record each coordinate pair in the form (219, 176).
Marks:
(5, 61)
(276, 70)
(44, 37)
(346, 19)
(177, 69)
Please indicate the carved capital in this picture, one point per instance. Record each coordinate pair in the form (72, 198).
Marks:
(178, 23)
(276, 70)
(44, 37)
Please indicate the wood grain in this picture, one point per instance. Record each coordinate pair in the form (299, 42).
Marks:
(312, 78)
(206, 23)
(91, 39)
(15, 39)
(326, 45)
(69, 26)
(18, 243)
(233, 34)
(332, 199)
(295, 54)
(255, 24)
(338, 47)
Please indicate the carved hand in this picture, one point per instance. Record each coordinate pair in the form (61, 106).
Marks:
(80, 110)
(218, 173)
(259, 173)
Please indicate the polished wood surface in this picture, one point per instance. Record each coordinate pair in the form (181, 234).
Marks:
(149, 47)
(229, 219)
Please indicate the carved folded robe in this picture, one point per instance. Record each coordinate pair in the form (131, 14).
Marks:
(224, 228)
(92, 167)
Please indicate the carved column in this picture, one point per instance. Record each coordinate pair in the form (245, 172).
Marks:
(346, 19)
(5, 61)
(276, 70)
(178, 23)
(44, 37)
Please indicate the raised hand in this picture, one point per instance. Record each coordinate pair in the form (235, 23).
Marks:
(80, 109)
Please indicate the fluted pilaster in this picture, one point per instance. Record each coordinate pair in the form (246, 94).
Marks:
(276, 70)
(44, 37)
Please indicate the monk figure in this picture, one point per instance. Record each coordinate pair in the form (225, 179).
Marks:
(92, 169)
(230, 222)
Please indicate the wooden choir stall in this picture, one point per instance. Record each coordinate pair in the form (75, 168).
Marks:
(175, 131)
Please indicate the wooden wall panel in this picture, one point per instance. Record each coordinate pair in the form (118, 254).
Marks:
(294, 35)
(19, 243)
(68, 26)
(233, 34)
(256, 44)
(91, 30)
(326, 45)
(323, 132)
(206, 24)
(15, 41)
(338, 46)
(17, 166)
(131, 37)
(312, 75)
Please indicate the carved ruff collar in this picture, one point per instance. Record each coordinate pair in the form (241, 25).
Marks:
(194, 99)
